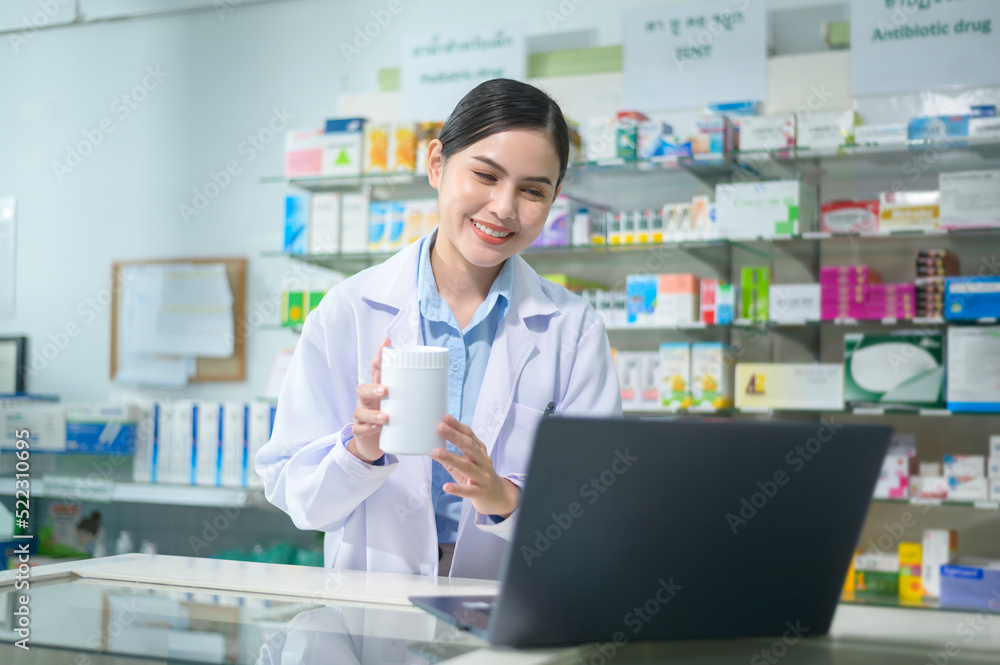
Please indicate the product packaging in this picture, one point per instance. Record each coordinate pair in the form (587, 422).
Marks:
(909, 210)
(675, 375)
(849, 217)
(905, 369)
(792, 386)
(973, 359)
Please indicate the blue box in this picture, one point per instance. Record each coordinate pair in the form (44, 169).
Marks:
(971, 587)
(102, 430)
(733, 108)
(971, 298)
(640, 298)
(938, 127)
(296, 224)
(983, 111)
(345, 125)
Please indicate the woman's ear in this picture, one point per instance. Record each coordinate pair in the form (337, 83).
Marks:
(435, 162)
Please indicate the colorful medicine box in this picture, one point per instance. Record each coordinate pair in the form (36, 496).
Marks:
(640, 293)
(971, 387)
(792, 386)
(903, 369)
(938, 127)
(711, 377)
(849, 217)
(675, 375)
(764, 209)
(972, 298)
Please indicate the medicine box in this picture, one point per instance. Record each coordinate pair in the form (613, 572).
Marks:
(715, 136)
(970, 199)
(675, 375)
(45, 424)
(627, 364)
(378, 219)
(984, 128)
(971, 298)
(995, 445)
(354, 223)
(929, 487)
(764, 209)
(395, 227)
(826, 129)
(208, 455)
(971, 387)
(754, 292)
(235, 451)
(909, 210)
(711, 377)
(894, 369)
(296, 224)
(640, 291)
(556, 231)
(402, 156)
(793, 386)
(969, 466)
(968, 489)
(101, 429)
(971, 587)
(304, 152)
(766, 133)
(939, 548)
(324, 223)
(649, 380)
(938, 127)
(261, 424)
(849, 217)
(376, 146)
(893, 480)
(994, 489)
(342, 146)
(790, 303)
(676, 299)
(887, 134)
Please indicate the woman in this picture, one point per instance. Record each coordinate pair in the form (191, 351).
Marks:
(519, 346)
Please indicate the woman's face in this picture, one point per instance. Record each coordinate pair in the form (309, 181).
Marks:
(495, 195)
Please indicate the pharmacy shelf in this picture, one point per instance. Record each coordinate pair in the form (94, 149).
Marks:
(885, 161)
(832, 323)
(871, 411)
(981, 505)
(176, 495)
(350, 183)
(893, 601)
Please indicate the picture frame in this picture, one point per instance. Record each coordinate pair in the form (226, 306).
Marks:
(13, 361)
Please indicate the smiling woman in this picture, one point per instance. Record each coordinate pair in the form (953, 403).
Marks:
(516, 343)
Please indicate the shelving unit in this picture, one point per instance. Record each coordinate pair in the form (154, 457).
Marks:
(175, 495)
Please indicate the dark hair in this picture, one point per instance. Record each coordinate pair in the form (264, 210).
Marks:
(498, 105)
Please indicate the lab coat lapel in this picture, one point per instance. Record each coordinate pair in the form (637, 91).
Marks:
(513, 345)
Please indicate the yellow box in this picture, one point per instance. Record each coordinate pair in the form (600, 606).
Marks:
(911, 588)
(376, 147)
(809, 387)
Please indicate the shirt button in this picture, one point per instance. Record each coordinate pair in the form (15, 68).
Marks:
(454, 367)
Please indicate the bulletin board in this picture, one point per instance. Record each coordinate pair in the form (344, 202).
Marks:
(207, 369)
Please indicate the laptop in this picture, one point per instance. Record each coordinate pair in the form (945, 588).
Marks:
(635, 530)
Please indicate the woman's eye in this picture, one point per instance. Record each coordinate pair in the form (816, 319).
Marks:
(485, 176)
(534, 192)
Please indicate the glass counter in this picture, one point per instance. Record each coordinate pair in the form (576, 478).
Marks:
(135, 609)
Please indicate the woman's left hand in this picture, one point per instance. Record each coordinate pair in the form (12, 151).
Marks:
(473, 472)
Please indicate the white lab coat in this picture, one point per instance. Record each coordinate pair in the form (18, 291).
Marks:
(550, 346)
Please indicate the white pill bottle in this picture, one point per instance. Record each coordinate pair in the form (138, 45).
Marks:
(416, 381)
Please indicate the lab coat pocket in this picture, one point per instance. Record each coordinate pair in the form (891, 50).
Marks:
(517, 439)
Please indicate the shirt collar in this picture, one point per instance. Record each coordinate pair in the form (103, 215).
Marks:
(433, 306)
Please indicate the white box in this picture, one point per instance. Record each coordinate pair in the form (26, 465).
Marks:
(208, 453)
(970, 199)
(675, 375)
(973, 358)
(965, 466)
(994, 489)
(984, 128)
(893, 480)
(342, 150)
(877, 561)
(929, 487)
(828, 129)
(994, 445)
(768, 133)
(627, 363)
(968, 489)
(649, 380)
(261, 423)
(993, 467)
(235, 451)
(788, 303)
(938, 550)
(895, 133)
(324, 223)
(142, 462)
(801, 386)
(909, 210)
(930, 469)
(599, 138)
(764, 209)
(45, 423)
(354, 223)
(180, 458)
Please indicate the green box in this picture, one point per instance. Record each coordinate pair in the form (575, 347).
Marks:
(906, 369)
(754, 288)
(875, 583)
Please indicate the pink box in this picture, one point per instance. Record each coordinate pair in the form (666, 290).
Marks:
(303, 152)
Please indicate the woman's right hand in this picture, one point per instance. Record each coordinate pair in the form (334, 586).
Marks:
(368, 419)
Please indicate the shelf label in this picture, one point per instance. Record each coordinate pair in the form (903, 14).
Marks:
(934, 412)
(925, 502)
(714, 51)
(80, 489)
(438, 68)
(903, 45)
(987, 505)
